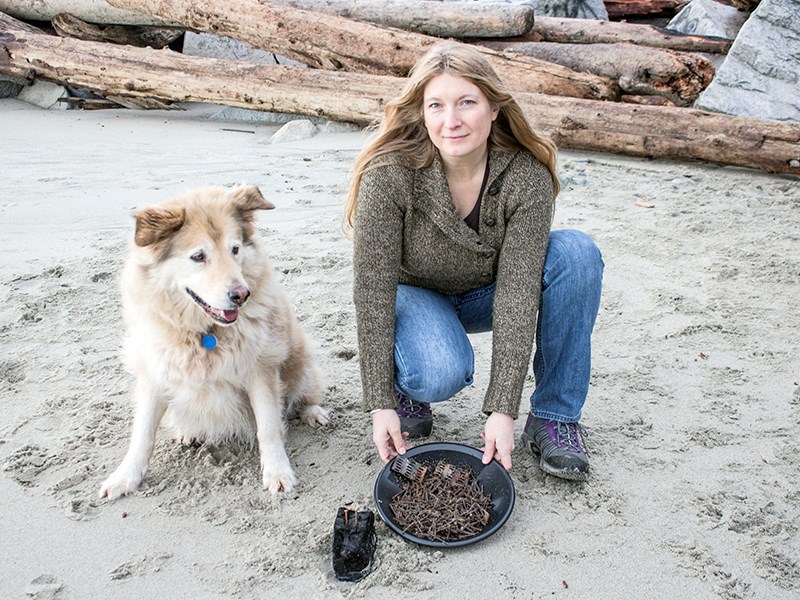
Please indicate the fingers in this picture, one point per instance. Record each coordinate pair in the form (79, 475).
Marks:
(505, 459)
(398, 441)
(386, 435)
(488, 450)
(497, 449)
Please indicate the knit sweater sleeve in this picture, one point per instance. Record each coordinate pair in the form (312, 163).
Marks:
(377, 240)
(519, 275)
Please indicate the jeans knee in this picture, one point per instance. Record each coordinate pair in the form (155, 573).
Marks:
(573, 254)
(435, 383)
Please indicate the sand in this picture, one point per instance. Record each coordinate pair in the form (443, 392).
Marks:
(693, 413)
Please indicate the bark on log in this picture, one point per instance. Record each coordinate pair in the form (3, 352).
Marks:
(336, 43)
(67, 25)
(440, 19)
(9, 22)
(589, 31)
(164, 75)
(677, 76)
(745, 5)
(91, 11)
(648, 131)
(619, 9)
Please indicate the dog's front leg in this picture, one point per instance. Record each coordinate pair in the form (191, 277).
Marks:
(150, 408)
(265, 398)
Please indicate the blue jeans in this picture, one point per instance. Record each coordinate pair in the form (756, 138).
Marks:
(433, 355)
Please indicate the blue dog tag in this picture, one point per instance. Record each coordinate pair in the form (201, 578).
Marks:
(209, 341)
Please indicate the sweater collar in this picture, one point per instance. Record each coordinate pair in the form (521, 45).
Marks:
(432, 195)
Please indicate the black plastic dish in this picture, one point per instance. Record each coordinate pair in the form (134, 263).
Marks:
(493, 477)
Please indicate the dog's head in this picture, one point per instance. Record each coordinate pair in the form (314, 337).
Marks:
(197, 245)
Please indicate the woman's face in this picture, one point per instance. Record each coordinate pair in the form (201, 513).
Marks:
(458, 117)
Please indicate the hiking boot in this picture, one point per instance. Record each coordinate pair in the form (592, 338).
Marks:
(562, 447)
(415, 417)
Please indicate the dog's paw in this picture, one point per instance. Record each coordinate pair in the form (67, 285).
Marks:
(277, 480)
(119, 484)
(314, 415)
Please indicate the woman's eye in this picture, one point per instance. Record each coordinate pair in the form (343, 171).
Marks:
(198, 256)
(235, 250)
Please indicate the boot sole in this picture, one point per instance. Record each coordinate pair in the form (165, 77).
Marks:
(570, 474)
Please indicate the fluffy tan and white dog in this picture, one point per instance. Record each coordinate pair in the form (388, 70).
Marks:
(210, 335)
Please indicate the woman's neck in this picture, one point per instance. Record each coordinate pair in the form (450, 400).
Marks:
(465, 180)
(464, 168)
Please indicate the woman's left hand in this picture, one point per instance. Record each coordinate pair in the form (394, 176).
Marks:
(498, 436)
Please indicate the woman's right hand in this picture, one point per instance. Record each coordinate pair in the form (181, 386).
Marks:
(386, 434)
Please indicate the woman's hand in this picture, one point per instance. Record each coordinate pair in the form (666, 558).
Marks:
(498, 436)
(386, 434)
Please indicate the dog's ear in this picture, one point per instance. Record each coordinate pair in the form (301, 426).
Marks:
(247, 199)
(156, 224)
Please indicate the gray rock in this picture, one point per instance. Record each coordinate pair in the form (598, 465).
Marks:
(293, 131)
(219, 46)
(43, 94)
(572, 9)
(707, 17)
(233, 113)
(761, 75)
(9, 87)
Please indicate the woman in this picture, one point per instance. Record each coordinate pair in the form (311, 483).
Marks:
(451, 206)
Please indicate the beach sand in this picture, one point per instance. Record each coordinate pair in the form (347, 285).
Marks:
(693, 413)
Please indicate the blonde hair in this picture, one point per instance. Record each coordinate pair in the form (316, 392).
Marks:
(402, 129)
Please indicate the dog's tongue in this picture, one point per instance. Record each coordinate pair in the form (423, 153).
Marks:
(230, 315)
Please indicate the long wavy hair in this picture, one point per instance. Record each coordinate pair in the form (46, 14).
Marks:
(402, 129)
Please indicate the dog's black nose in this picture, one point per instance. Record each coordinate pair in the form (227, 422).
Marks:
(239, 295)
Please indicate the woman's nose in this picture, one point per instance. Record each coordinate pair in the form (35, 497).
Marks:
(451, 119)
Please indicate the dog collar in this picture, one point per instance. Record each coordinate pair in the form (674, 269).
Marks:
(208, 341)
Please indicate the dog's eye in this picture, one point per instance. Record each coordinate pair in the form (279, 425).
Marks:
(235, 250)
(198, 256)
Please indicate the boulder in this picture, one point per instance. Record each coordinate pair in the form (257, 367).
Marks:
(760, 77)
(707, 17)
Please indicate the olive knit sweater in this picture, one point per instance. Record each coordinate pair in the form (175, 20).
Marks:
(407, 230)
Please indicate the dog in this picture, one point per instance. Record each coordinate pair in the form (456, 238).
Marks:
(211, 337)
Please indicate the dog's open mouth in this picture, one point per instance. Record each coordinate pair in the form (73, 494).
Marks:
(226, 317)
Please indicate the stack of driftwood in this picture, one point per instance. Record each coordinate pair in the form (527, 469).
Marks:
(594, 85)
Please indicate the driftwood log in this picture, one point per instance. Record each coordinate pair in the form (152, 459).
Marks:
(678, 76)
(746, 5)
(67, 25)
(589, 31)
(335, 43)
(92, 11)
(648, 131)
(468, 19)
(110, 101)
(440, 19)
(619, 9)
